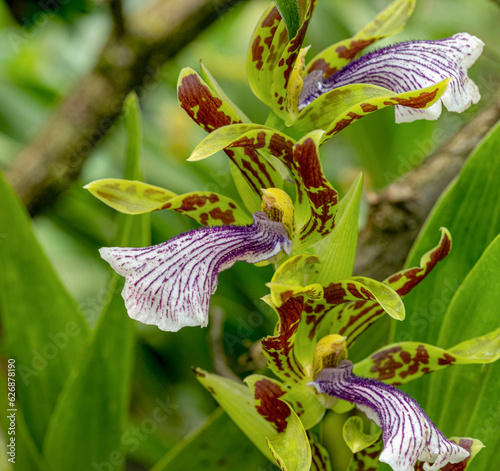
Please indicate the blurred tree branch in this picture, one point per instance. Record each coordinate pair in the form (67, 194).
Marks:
(130, 60)
(397, 213)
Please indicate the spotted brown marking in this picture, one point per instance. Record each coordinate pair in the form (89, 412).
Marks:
(357, 45)
(323, 198)
(421, 357)
(273, 409)
(279, 348)
(344, 122)
(334, 294)
(226, 217)
(420, 101)
(202, 105)
(321, 64)
(447, 360)
(199, 373)
(385, 364)
(281, 147)
(257, 51)
(193, 202)
(414, 276)
(285, 295)
(368, 108)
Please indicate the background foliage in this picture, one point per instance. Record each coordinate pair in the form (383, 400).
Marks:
(100, 387)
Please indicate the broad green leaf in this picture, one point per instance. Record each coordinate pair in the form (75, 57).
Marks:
(367, 459)
(290, 12)
(238, 402)
(291, 448)
(390, 21)
(210, 448)
(407, 361)
(469, 208)
(130, 196)
(43, 328)
(212, 111)
(337, 250)
(335, 110)
(355, 438)
(95, 396)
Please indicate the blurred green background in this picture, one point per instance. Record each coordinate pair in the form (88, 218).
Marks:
(44, 54)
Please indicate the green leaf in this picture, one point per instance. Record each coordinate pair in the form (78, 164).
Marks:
(290, 12)
(462, 401)
(43, 328)
(354, 436)
(337, 250)
(96, 396)
(209, 448)
(403, 362)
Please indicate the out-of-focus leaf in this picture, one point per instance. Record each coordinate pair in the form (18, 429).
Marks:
(469, 208)
(406, 361)
(337, 251)
(209, 448)
(95, 400)
(354, 436)
(44, 330)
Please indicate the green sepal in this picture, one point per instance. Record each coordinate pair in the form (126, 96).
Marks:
(390, 21)
(238, 402)
(406, 361)
(290, 12)
(306, 404)
(335, 110)
(338, 249)
(320, 456)
(130, 196)
(361, 315)
(211, 109)
(355, 438)
(269, 35)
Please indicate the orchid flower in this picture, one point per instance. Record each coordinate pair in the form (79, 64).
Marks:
(170, 284)
(409, 66)
(407, 432)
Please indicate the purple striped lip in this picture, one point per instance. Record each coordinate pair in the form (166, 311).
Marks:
(170, 284)
(409, 66)
(407, 432)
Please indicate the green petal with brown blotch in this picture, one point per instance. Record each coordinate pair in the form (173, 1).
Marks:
(130, 196)
(390, 21)
(340, 107)
(211, 109)
(402, 362)
(266, 46)
(361, 315)
(289, 444)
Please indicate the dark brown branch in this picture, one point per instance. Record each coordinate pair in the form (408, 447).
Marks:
(54, 158)
(116, 9)
(397, 213)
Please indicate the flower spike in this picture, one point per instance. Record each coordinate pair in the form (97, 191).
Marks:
(170, 284)
(407, 432)
(406, 67)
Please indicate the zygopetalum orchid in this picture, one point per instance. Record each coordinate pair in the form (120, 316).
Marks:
(338, 87)
(321, 308)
